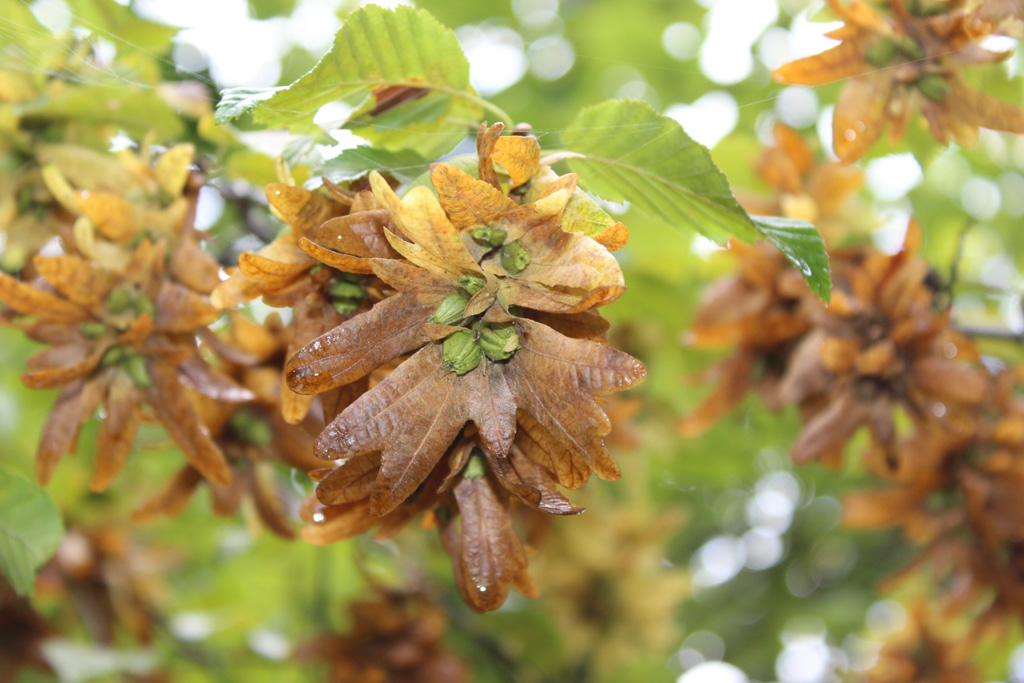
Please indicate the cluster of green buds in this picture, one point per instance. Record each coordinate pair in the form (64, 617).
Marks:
(933, 86)
(884, 51)
(464, 349)
(347, 293)
(512, 255)
(132, 363)
(129, 300)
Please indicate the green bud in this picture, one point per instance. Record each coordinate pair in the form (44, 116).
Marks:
(119, 301)
(476, 467)
(489, 236)
(345, 307)
(137, 370)
(909, 47)
(927, 8)
(933, 86)
(471, 283)
(514, 258)
(143, 304)
(881, 52)
(451, 309)
(113, 356)
(250, 428)
(499, 341)
(461, 352)
(93, 329)
(346, 290)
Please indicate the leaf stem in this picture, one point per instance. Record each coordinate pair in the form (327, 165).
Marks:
(502, 115)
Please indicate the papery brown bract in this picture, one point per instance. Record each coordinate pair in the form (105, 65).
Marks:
(253, 435)
(286, 273)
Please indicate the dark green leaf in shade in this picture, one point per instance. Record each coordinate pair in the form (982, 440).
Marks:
(803, 246)
(632, 152)
(30, 530)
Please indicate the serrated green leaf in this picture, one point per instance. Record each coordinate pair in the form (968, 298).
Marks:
(406, 166)
(803, 246)
(237, 101)
(30, 530)
(374, 48)
(632, 152)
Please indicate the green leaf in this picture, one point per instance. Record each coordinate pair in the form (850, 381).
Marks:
(632, 152)
(430, 126)
(136, 112)
(119, 24)
(375, 48)
(236, 101)
(351, 164)
(30, 530)
(803, 246)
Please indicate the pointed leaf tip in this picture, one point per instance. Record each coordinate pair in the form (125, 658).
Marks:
(803, 246)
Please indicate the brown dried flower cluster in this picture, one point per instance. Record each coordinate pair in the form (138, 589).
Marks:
(489, 307)
(122, 311)
(911, 60)
(946, 435)
(125, 312)
(396, 636)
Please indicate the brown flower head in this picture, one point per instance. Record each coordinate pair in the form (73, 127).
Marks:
(494, 300)
(123, 333)
(910, 61)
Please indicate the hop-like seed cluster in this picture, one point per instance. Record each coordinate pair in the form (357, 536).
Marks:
(489, 310)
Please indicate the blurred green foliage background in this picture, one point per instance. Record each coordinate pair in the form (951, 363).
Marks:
(763, 577)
